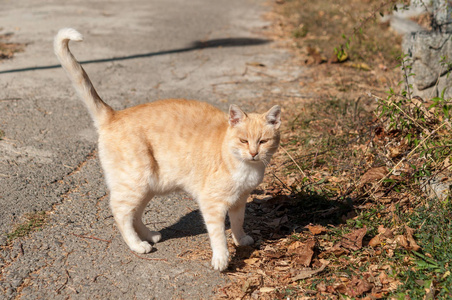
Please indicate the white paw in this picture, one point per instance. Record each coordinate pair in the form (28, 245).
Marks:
(142, 247)
(246, 241)
(155, 236)
(220, 262)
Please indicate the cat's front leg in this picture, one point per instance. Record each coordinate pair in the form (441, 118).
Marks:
(214, 213)
(236, 217)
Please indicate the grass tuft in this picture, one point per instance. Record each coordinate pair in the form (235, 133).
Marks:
(34, 222)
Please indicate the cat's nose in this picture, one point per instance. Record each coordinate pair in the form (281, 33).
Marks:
(253, 154)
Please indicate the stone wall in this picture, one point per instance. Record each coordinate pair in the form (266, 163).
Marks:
(430, 51)
(426, 50)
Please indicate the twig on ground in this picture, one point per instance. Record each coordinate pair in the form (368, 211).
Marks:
(64, 283)
(90, 237)
(290, 156)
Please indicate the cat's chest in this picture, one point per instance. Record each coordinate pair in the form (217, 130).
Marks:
(248, 176)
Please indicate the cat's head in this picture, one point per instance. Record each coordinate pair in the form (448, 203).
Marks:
(254, 138)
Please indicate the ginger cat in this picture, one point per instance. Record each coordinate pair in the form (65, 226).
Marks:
(176, 144)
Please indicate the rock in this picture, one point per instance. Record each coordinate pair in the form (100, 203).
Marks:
(404, 26)
(426, 51)
(438, 187)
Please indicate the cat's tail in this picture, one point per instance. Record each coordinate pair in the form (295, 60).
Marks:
(99, 110)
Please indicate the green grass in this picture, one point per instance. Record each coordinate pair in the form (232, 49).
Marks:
(433, 265)
(34, 221)
(324, 153)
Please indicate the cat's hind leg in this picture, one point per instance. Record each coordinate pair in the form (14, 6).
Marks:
(144, 232)
(127, 205)
(236, 217)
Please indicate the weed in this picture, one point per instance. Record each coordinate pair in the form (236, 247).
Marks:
(300, 32)
(322, 24)
(33, 222)
(431, 268)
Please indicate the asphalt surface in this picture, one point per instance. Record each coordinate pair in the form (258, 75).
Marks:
(134, 52)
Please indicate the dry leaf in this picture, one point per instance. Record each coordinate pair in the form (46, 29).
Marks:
(251, 261)
(359, 66)
(354, 240)
(341, 288)
(271, 254)
(305, 253)
(266, 289)
(316, 229)
(385, 232)
(412, 243)
(316, 55)
(321, 287)
(375, 241)
(307, 273)
(396, 150)
(374, 174)
(407, 242)
(294, 245)
(402, 241)
(384, 279)
(336, 250)
(358, 287)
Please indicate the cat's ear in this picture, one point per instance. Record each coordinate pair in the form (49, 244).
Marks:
(236, 115)
(273, 116)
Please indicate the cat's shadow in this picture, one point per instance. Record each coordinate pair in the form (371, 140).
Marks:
(189, 225)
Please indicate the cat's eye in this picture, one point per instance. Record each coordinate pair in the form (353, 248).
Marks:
(263, 141)
(243, 141)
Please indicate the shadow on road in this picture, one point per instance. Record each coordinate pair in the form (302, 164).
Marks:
(197, 45)
(189, 225)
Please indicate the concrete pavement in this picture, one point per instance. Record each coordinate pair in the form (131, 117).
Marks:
(134, 52)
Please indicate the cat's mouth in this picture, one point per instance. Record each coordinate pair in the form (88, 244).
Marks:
(254, 159)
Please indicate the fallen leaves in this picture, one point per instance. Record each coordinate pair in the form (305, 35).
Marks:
(374, 174)
(317, 57)
(316, 229)
(7, 50)
(296, 261)
(407, 241)
(303, 274)
(336, 250)
(355, 287)
(385, 236)
(302, 253)
(354, 240)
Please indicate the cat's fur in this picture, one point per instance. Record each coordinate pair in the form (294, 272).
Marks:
(169, 145)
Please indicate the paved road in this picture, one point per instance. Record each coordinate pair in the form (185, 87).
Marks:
(135, 52)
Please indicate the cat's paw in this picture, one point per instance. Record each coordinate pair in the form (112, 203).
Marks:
(141, 247)
(220, 262)
(246, 241)
(155, 236)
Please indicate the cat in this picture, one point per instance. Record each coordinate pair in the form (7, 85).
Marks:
(177, 144)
